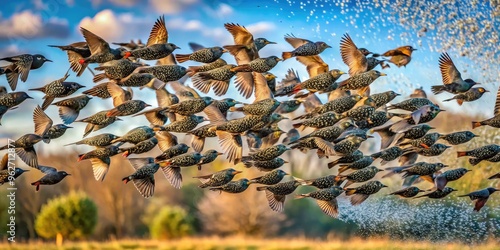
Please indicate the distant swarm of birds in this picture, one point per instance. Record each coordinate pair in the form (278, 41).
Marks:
(338, 127)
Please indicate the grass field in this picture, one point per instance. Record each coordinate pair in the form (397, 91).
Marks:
(250, 244)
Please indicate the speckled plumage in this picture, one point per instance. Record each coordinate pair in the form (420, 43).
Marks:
(13, 99)
(69, 109)
(233, 186)
(346, 159)
(206, 55)
(20, 67)
(442, 179)
(136, 135)
(153, 51)
(184, 125)
(115, 70)
(458, 137)
(263, 107)
(364, 162)
(320, 82)
(266, 154)
(218, 79)
(411, 104)
(349, 145)
(323, 182)
(260, 65)
(265, 165)
(165, 73)
(438, 194)
(407, 192)
(383, 98)
(190, 107)
(361, 193)
(217, 179)
(101, 140)
(127, 108)
(425, 141)
(271, 178)
(389, 154)
(482, 153)
(57, 88)
(97, 121)
(360, 175)
(324, 120)
(172, 152)
(141, 147)
(360, 81)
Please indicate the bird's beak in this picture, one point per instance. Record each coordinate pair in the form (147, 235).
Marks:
(496, 189)
(288, 149)
(468, 170)
(278, 59)
(421, 191)
(369, 136)
(284, 117)
(384, 186)
(219, 153)
(285, 162)
(380, 170)
(148, 105)
(413, 49)
(476, 136)
(68, 174)
(205, 119)
(287, 173)
(433, 128)
(68, 127)
(47, 60)
(177, 47)
(342, 72)
(225, 50)
(29, 97)
(269, 42)
(382, 74)
(442, 110)
(398, 94)
(237, 172)
(486, 91)
(328, 46)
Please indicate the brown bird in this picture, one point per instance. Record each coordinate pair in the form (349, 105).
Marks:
(400, 56)
(352, 56)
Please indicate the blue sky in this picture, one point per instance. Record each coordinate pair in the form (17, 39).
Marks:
(28, 26)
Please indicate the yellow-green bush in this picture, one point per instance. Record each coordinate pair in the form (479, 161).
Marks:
(73, 216)
(171, 222)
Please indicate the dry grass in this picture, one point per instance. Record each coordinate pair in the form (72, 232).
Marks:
(233, 243)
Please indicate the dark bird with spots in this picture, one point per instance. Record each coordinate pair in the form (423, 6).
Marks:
(184, 125)
(217, 179)
(303, 47)
(411, 104)
(101, 140)
(76, 52)
(329, 133)
(51, 177)
(324, 120)
(271, 178)
(57, 88)
(468, 96)
(127, 108)
(438, 194)
(481, 153)
(13, 99)
(322, 182)
(193, 70)
(348, 145)
(407, 192)
(265, 165)
(276, 194)
(266, 154)
(24, 148)
(360, 82)
(99, 49)
(320, 82)
(171, 168)
(69, 109)
(173, 151)
(8, 172)
(442, 179)
(326, 199)
(259, 65)
(457, 138)
(388, 154)
(206, 55)
(233, 187)
(361, 193)
(433, 150)
(347, 159)
(218, 79)
(209, 157)
(364, 162)
(362, 175)
(141, 147)
(381, 99)
(264, 107)
(165, 73)
(143, 177)
(190, 107)
(425, 141)
(338, 105)
(115, 70)
(97, 121)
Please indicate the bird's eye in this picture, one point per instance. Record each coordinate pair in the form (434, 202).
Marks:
(39, 58)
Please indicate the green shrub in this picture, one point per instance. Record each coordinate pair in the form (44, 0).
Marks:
(171, 222)
(73, 216)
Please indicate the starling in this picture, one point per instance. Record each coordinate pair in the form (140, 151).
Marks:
(199, 135)
(433, 150)
(20, 67)
(353, 57)
(425, 114)
(452, 79)
(190, 107)
(291, 136)
(217, 179)
(353, 131)
(286, 86)
(57, 88)
(320, 82)
(373, 62)
(24, 148)
(442, 179)
(135, 135)
(192, 70)
(143, 177)
(69, 109)
(362, 175)
(276, 194)
(76, 52)
(132, 44)
(218, 79)
(51, 177)
(271, 81)
(239, 125)
(264, 107)
(346, 159)
(339, 105)
(438, 194)
(364, 162)
(115, 70)
(419, 168)
(208, 157)
(127, 108)
(400, 56)
(152, 51)
(271, 178)
(172, 152)
(458, 137)
(425, 141)
(323, 182)
(362, 111)
(325, 148)
(261, 43)
(267, 121)
(233, 187)
(225, 104)
(329, 133)
(407, 192)
(326, 199)
(481, 153)
(101, 140)
(140, 80)
(288, 106)
(493, 122)
(361, 81)
(266, 154)
(206, 55)
(265, 165)
(411, 104)
(349, 145)
(184, 125)
(13, 99)
(383, 98)
(244, 49)
(390, 136)
(259, 65)
(140, 147)
(389, 154)
(9, 173)
(361, 193)
(44, 127)
(468, 96)
(165, 73)
(99, 49)
(172, 167)
(100, 160)
(108, 90)
(303, 47)
(480, 196)
(324, 120)
(97, 121)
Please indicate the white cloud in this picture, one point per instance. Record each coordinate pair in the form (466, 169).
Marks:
(171, 6)
(28, 25)
(260, 28)
(224, 10)
(113, 28)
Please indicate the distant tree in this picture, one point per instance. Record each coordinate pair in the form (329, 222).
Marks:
(73, 216)
(170, 222)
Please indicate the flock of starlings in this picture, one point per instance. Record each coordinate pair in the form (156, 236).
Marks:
(338, 127)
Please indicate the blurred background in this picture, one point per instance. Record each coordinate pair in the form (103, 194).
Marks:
(467, 30)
